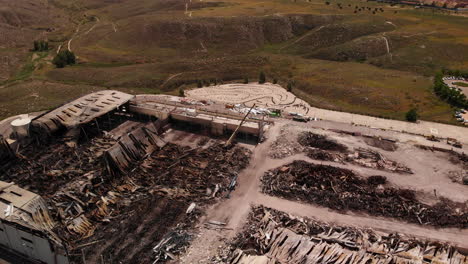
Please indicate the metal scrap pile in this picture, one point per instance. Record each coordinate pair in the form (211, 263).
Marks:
(275, 237)
(342, 189)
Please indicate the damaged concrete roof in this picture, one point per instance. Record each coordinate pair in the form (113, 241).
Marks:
(82, 110)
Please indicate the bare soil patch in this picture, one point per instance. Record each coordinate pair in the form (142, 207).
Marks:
(381, 143)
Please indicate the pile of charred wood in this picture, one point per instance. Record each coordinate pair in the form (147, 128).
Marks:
(44, 169)
(341, 189)
(319, 147)
(275, 237)
(317, 141)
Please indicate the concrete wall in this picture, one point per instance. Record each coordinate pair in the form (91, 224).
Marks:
(148, 111)
(31, 245)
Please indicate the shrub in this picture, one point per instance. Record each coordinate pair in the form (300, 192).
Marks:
(289, 87)
(261, 78)
(41, 45)
(63, 58)
(412, 115)
(246, 80)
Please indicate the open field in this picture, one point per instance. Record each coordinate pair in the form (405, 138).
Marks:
(339, 56)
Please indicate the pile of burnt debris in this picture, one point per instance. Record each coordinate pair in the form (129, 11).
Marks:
(373, 141)
(273, 237)
(117, 193)
(320, 147)
(341, 189)
(313, 140)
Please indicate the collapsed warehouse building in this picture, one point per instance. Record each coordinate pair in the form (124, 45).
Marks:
(95, 159)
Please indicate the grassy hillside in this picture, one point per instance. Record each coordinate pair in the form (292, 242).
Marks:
(347, 55)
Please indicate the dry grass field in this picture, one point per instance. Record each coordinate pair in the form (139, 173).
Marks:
(340, 56)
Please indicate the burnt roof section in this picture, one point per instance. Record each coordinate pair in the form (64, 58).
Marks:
(82, 110)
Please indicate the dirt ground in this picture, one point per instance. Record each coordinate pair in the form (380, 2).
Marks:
(429, 172)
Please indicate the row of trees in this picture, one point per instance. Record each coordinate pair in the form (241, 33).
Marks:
(201, 83)
(455, 73)
(41, 45)
(451, 96)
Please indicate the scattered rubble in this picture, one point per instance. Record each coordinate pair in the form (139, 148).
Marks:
(341, 189)
(373, 159)
(286, 144)
(362, 157)
(272, 237)
(320, 147)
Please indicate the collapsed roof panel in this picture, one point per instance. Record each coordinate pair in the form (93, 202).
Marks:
(134, 146)
(82, 110)
(23, 207)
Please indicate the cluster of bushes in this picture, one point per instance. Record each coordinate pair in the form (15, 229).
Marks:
(362, 8)
(41, 45)
(63, 58)
(451, 96)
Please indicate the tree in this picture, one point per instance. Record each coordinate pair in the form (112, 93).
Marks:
(412, 115)
(181, 92)
(289, 87)
(63, 58)
(70, 57)
(261, 78)
(41, 45)
(246, 80)
(59, 61)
